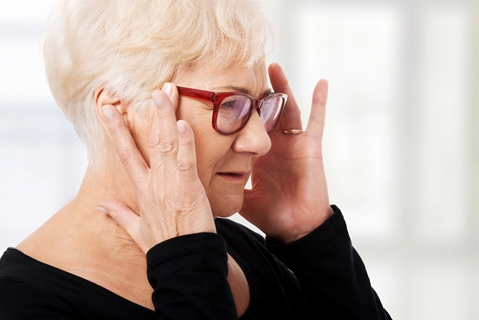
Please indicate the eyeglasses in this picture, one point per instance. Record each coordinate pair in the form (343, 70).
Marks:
(232, 110)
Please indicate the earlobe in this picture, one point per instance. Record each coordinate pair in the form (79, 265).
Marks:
(102, 98)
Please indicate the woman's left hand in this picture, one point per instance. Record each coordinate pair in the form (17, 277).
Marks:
(289, 195)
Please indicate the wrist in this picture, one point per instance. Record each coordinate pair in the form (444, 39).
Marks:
(292, 235)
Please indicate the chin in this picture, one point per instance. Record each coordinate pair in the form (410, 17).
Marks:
(226, 206)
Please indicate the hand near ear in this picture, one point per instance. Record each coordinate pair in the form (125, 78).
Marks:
(289, 195)
(171, 199)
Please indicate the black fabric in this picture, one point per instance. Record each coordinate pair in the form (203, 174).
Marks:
(30, 289)
(332, 275)
(192, 288)
(320, 276)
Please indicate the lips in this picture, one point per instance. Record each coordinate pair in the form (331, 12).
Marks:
(233, 175)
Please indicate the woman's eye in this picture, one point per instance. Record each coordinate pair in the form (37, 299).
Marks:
(229, 104)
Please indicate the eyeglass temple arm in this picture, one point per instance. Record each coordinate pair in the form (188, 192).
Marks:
(196, 93)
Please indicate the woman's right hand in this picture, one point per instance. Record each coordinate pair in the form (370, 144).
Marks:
(171, 199)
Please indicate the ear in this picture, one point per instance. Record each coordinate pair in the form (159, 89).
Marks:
(102, 98)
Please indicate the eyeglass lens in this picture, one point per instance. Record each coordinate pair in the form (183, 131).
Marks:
(270, 112)
(235, 111)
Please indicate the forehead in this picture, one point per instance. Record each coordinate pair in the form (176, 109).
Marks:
(253, 81)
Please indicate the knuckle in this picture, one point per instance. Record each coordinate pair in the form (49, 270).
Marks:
(167, 146)
(125, 157)
(113, 127)
(187, 141)
(116, 124)
(116, 132)
(153, 141)
(163, 115)
(120, 219)
(185, 165)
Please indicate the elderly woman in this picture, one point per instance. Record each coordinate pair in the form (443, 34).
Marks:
(144, 237)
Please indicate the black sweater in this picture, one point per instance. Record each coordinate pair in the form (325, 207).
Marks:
(319, 276)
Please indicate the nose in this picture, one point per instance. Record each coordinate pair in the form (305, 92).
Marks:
(253, 138)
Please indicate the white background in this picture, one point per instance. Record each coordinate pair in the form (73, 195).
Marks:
(401, 142)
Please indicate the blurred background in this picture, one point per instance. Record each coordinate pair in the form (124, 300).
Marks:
(401, 142)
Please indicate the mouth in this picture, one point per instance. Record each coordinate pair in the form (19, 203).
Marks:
(233, 176)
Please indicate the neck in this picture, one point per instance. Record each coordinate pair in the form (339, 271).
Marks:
(89, 244)
(85, 242)
(80, 212)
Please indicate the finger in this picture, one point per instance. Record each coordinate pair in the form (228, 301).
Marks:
(186, 157)
(318, 109)
(291, 116)
(163, 139)
(126, 148)
(124, 217)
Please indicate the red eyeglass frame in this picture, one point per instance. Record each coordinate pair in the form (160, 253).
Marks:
(218, 97)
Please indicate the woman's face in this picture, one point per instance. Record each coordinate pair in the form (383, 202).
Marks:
(224, 162)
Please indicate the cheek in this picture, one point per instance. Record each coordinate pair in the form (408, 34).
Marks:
(199, 123)
(213, 154)
(207, 147)
(207, 155)
(211, 149)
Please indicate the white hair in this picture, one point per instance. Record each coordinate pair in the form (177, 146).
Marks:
(131, 47)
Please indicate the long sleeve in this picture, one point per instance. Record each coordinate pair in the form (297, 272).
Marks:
(330, 272)
(189, 278)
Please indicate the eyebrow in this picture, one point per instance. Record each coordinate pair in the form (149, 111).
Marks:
(246, 91)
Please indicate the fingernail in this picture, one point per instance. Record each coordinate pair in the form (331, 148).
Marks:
(102, 210)
(107, 112)
(157, 99)
(181, 127)
(167, 88)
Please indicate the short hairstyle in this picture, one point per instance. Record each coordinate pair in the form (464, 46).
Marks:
(131, 47)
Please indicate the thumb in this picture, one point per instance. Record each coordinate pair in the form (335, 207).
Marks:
(124, 217)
